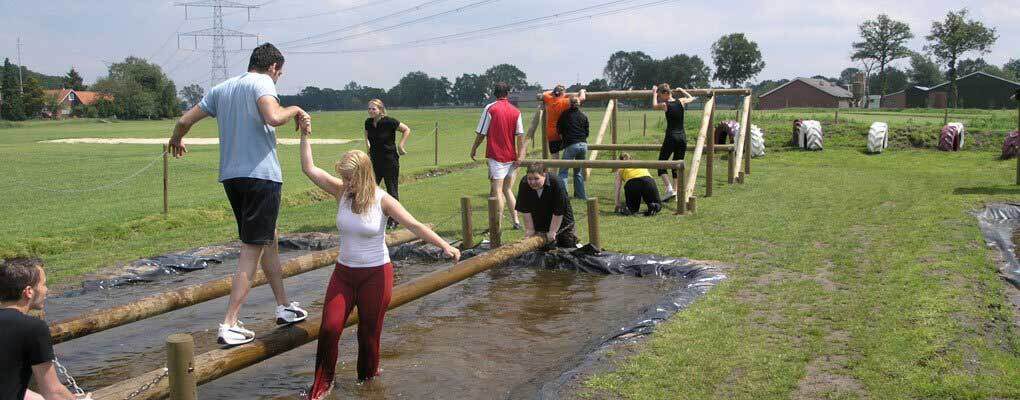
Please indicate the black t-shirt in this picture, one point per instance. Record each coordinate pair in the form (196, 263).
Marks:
(573, 126)
(26, 342)
(382, 136)
(674, 117)
(553, 201)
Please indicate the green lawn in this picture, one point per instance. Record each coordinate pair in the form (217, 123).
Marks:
(858, 276)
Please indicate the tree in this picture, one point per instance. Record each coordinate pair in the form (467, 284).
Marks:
(53, 104)
(73, 81)
(848, 76)
(883, 40)
(12, 108)
(895, 79)
(1012, 67)
(623, 68)
(923, 71)
(679, 70)
(193, 94)
(597, 85)
(955, 36)
(34, 98)
(139, 90)
(970, 66)
(470, 89)
(508, 73)
(736, 59)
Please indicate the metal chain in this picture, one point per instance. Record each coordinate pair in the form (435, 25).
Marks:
(146, 386)
(70, 379)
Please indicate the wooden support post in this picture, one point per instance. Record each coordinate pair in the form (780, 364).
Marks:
(731, 166)
(747, 140)
(180, 355)
(537, 119)
(166, 182)
(710, 162)
(1018, 130)
(614, 127)
(740, 178)
(593, 222)
(465, 223)
(692, 204)
(436, 133)
(592, 155)
(644, 124)
(681, 208)
(703, 133)
(545, 140)
(494, 233)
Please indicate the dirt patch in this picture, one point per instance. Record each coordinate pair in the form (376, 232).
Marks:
(827, 376)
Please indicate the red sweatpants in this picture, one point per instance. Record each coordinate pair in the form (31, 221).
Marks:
(370, 290)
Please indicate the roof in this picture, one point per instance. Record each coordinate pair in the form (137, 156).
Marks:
(976, 73)
(827, 87)
(85, 97)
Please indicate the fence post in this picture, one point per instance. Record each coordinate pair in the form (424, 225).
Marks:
(693, 204)
(835, 121)
(593, 222)
(747, 142)
(180, 354)
(732, 164)
(465, 223)
(166, 181)
(494, 233)
(437, 143)
(710, 162)
(644, 124)
(945, 117)
(680, 179)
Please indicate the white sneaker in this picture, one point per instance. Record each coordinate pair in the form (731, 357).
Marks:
(234, 335)
(290, 314)
(670, 194)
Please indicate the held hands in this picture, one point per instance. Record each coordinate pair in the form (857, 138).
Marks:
(303, 122)
(176, 147)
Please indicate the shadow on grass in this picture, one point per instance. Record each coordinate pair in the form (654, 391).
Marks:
(986, 190)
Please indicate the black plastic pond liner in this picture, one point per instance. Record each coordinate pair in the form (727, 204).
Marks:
(693, 279)
(155, 268)
(998, 222)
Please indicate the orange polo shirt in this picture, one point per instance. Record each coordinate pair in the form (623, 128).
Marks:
(554, 106)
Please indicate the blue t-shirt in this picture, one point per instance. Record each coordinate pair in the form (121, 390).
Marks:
(247, 143)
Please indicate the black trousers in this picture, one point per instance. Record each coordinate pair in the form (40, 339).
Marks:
(640, 189)
(674, 146)
(387, 167)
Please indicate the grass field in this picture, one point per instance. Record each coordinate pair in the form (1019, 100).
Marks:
(858, 276)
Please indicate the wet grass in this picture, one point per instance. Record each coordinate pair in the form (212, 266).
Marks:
(859, 276)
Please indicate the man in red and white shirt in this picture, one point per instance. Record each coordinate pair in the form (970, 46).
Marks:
(503, 131)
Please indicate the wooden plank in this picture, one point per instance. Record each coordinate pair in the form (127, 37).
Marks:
(647, 147)
(745, 131)
(692, 175)
(605, 164)
(602, 133)
(647, 93)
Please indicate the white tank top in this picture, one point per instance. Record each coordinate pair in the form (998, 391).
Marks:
(362, 237)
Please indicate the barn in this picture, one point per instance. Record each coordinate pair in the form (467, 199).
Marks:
(977, 90)
(806, 92)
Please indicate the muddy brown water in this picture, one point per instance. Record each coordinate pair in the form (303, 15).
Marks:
(500, 334)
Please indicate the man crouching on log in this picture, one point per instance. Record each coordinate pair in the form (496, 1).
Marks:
(247, 111)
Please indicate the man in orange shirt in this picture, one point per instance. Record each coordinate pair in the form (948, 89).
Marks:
(556, 103)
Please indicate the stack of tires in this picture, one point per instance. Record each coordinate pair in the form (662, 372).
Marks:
(878, 137)
(807, 134)
(1011, 146)
(757, 141)
(951, 137)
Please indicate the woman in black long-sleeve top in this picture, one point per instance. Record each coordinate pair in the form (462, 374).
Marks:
(674, 145)
(380, 135)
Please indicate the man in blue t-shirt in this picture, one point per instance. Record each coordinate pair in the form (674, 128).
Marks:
(247, 110)
(28, 350)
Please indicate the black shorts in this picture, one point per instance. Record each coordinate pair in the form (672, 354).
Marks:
(555, 146)
(256, 205)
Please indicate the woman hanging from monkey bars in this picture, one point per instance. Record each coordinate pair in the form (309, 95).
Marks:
(674, 145)
(363, 275)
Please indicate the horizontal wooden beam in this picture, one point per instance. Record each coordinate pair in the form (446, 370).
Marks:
(647, 94)
(607, 164)
(647, 147)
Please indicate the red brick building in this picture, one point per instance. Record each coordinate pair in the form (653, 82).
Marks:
(806, 92)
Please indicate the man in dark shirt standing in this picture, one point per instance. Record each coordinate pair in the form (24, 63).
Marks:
(573, 130)
(542, 201)
(28, 350)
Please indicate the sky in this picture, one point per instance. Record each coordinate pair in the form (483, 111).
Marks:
(796, 37)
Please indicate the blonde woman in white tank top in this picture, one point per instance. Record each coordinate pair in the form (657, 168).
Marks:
(363, 276)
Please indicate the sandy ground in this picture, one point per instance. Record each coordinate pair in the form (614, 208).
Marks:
(187, 141)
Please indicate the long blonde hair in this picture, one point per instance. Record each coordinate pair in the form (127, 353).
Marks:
(378, 104)
(360, 188)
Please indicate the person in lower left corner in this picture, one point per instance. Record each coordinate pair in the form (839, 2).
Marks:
(543, 203)
(28, 349)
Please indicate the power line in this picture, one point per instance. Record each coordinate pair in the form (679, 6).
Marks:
(323, 13)
(377, 19)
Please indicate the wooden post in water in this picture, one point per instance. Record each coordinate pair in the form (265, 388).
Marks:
(494, 233)
(166, 182)
(465, 223)
(593, 222)
(180, 355)
(436, 133)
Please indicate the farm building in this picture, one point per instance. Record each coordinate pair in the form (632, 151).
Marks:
(70, 98)
(524, 98)
(806, 92)
(977, 90)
